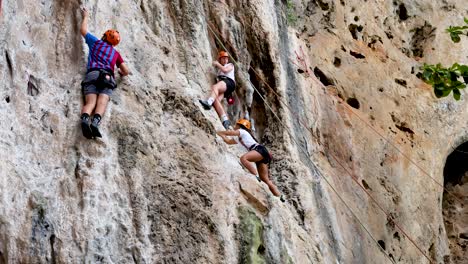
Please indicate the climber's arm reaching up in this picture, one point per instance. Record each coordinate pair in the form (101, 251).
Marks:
(226, 68)
(224, 134)
(84, 23)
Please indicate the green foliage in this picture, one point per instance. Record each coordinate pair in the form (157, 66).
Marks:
(456, 31)
(291, 13)
(446, 80)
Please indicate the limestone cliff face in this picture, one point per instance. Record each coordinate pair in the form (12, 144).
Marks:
(160, 187)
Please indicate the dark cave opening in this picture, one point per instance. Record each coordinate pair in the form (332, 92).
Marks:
(454, 200)
(456, 165)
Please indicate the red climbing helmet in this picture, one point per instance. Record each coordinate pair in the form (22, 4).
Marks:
(244, 122)
(112, 36)
(222, 54)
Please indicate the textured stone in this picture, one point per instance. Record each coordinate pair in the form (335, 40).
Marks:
(254, 193)
(160, 187)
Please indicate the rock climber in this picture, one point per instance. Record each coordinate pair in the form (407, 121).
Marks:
(225, 85)
(256, 153)
(99, 81)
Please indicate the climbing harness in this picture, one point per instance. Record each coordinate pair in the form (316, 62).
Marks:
(104, 80)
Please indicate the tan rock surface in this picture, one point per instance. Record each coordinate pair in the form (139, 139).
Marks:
(160, 187)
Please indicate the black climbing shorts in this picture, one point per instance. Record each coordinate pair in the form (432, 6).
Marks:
(264, 152)
(94, 84)
(230, 84)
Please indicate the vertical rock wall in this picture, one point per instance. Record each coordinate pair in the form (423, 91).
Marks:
(160, 187)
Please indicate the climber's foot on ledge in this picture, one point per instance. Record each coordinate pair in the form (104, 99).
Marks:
(258, 178)
(95, 130)
(205, 104)
(87, 133)
(282, 199)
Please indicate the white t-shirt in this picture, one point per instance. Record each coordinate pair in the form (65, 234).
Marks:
(246, 139)
(229, 74)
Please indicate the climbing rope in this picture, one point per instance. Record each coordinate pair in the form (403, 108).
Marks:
(310, 160)
(296, 116)
(372, 198)
(425, 173)
(191, 46)
(396, 148)
(273, 112)
(307, 155)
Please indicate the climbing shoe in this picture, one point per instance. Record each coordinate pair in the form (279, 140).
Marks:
(87, 133)
(95, 126)
(205, 104)
(85, 126)
(282, 199)
(227, 124)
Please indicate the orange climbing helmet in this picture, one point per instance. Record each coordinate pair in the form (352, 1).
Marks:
(244, 122)
(112, 36)
(222, 54)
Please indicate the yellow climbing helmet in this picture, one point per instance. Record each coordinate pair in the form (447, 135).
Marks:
(222, 54)
(112, 36)
(244, 122)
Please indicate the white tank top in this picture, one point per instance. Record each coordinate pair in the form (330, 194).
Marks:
(229, 74)
(246, 139)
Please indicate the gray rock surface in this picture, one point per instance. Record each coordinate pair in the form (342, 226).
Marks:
(160, 187)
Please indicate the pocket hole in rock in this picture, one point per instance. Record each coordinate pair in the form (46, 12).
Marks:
(353, 102)
(382, 244)
(402, 12)
(323, 77)
(337, 62)
(357, 55)
(32, 86)
(401, 82)
(9, 64)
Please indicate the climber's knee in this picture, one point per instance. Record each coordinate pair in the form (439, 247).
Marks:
(243, 159)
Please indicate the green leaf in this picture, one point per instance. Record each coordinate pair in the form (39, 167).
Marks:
(459, 85)
(438, 93)
(453, 76)
(446, 92)
(445, 80)
(466, 20)
(427, 75)
(441, 93)
(440, 86)
(463, 70)
(456, 94)
(455, 37)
